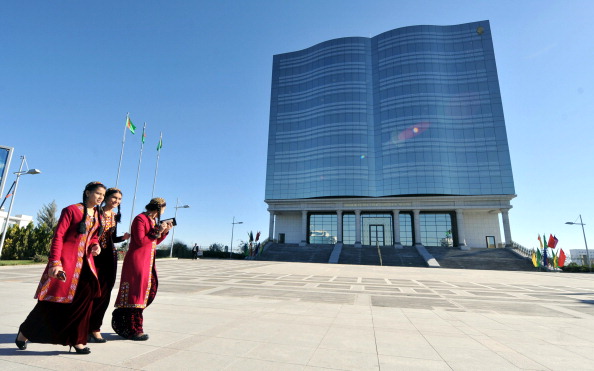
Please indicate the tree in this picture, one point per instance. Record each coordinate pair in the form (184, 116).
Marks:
(216, 247)
(47, 215)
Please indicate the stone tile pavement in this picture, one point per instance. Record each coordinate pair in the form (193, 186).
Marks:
(250, 315)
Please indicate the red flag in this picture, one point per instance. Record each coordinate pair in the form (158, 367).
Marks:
(561, 258)
(551, 242)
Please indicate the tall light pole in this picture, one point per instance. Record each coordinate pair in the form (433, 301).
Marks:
(16, 185)
(585, 242)
(175, 216)
(232, 227)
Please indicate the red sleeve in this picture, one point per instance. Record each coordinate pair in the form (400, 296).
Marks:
(139, 231)
(163, 236)
(58, 240)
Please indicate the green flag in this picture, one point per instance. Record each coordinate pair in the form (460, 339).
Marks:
(143, 136)
(130, 125)
(160, 145)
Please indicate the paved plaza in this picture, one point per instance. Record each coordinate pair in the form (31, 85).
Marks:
(253, 315)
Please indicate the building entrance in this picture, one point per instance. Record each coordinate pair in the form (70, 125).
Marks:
(376, 235)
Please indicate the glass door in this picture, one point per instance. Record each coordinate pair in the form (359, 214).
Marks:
(376, 235)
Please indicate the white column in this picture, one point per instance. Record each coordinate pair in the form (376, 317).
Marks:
(506, 227)
(358, 228)
(417, 226)
(461, 230)
(339, 226)
(303, 228)
(396, 223)
(271, 226)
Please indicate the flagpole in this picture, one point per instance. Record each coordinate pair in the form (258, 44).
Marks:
(157, 166)
(137, 175)
(122, 153)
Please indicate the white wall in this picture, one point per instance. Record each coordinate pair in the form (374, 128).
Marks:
(478, 225)
(21, 220)
(290, 225)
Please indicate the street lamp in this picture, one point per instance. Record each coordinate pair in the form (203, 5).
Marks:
(585, 242)
(175, 216)
(15, 185)
(232, 227)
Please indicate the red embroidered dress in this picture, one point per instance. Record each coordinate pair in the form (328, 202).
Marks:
(69, 249)
(138, 269)
(63, 309)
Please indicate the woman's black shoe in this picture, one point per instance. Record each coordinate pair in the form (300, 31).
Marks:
(93, 339)
(22, 345)
(80, 350)
(139, 337)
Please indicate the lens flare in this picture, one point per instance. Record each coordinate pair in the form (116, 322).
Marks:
(411, 132)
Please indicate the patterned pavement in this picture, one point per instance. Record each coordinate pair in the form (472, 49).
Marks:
(254, 315)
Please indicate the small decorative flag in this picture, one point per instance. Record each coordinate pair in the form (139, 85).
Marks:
(160, 145)
(130, 125)
(551, 242)
(540, 241)
(143, 136)
(545, 256)
(534, 259)
(562, 257)
(538, 257)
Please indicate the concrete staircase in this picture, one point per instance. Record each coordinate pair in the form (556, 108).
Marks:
(490, 259)
(296, 253)
(369, 255)
(447, 257)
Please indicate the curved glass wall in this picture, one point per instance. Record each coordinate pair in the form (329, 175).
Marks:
(413, 111)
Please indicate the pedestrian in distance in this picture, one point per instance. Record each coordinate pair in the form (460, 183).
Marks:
(69, 282)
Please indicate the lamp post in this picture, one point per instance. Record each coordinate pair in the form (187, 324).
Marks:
(232, 227)
(16, 185)
(585, 242)
(175, 216)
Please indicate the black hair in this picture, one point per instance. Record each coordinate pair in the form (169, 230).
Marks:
(109, 192)
(82, 227)
(156, 204)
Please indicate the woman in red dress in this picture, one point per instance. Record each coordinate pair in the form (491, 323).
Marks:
(138, 285)
(106, 262)
(69, 282)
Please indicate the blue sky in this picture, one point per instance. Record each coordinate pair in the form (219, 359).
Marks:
(200, 72)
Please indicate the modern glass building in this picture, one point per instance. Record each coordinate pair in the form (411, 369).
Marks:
(395, 140)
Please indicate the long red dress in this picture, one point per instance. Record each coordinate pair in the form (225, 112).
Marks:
(106, 263)
(62, 313)
(138, 284)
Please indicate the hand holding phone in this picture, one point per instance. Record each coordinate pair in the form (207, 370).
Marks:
(61, 275)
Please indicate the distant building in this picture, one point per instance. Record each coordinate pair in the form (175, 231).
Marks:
(580, 256)
(21, 220)
(396, 140)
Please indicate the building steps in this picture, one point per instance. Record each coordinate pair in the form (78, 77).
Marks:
(489, 259)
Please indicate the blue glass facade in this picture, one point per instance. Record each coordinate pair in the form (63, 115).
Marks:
(412, 111)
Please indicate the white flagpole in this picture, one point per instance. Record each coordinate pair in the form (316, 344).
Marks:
(122, 153)
(157, 166)
(137, 175)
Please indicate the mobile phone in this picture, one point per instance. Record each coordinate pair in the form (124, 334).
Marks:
(61, 275)
(172, 220)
